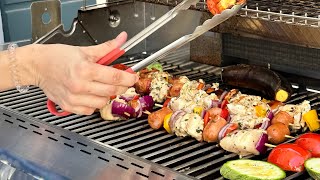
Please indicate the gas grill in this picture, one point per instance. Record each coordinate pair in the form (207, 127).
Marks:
(88, 147)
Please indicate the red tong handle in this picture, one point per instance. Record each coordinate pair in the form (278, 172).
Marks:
(106, 60)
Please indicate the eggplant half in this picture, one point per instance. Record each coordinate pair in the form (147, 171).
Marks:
(258, 78)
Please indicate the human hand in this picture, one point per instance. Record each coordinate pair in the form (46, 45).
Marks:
(70, 77)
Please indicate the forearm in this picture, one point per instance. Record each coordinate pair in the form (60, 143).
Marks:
(24, 60)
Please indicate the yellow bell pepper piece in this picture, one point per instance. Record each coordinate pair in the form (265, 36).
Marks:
(166, 123)
(198, 110)
(260, 111)
(311, 118)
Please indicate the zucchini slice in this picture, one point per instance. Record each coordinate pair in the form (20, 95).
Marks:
(313, 167)
(251, 170)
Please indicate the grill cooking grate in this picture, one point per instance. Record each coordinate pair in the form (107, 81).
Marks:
(186, 155)
(288, 11)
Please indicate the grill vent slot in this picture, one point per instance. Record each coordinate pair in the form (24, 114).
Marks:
(21, 120)
(8, 121)
(5, 114)
(126, 168)
(142, 175)
(37, 132)
(82, 144)
(23, 127)
(34, 125)
(65, 137)
(53, 139)
(100, 151)
(68, 145)
(104, 159)
(49, 131)
(137, 165)
(159, 174)
(117, 157)
(85, 152)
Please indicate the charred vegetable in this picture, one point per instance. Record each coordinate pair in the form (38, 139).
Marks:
(258, 78)
(217, 6)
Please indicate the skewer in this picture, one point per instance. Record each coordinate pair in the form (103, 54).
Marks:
(147, 112)
(287, 136)
(269, 145)
(127, 114)
(158, 105)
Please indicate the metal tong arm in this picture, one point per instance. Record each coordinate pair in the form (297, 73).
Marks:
(116, 53)
(206, 26)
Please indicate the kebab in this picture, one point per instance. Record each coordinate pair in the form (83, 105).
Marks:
(130, 104)
(127, 105)
(217, 128)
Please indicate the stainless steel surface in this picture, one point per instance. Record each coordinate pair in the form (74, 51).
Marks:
(199, 30)
(133, 137)
(45, 16)
(70, 155)
(92, 26)
(184, 5)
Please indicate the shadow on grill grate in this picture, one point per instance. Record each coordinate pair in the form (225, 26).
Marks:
(186, 155)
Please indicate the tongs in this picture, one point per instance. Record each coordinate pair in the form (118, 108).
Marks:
(184, 5)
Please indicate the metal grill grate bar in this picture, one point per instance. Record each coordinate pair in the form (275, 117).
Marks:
(143, 139)
(205, 165)
(197, 160)
(140, 130)
(157, 146)
(176, 152)
(115, 127)
(168, 149)
(192, 154)
(140, 134)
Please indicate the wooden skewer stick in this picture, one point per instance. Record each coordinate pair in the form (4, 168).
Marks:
(287, 136)
(147, 112)
(158, 105)
(127, 114)
(270, 145)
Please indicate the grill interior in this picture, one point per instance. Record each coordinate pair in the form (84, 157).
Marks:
(186, 155)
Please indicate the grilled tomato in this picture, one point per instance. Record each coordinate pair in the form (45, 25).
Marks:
(289, 157)
(310, 142)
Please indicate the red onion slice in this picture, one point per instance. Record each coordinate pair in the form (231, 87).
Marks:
(174, 117)
(127, 98)
(265, 124)
(203, 112)
(215, 103)
(260, 146)
(138, 110)
(269, 115)
(223, 95)
(147, 103)
(122, 110)
(222, 132)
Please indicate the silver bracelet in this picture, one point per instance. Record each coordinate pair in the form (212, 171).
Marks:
(14, 69)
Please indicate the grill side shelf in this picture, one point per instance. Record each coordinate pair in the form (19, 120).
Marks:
(70, 154)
